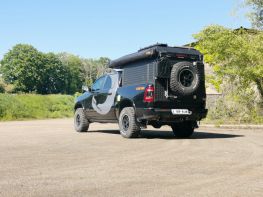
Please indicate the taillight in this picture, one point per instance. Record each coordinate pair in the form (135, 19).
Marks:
(149, 94)
(181, 56)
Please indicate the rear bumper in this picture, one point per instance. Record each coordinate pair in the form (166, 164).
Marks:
(166, 116)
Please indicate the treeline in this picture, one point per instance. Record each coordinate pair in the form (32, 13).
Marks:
(24, 69)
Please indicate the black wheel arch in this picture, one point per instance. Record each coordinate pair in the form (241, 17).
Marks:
(78, 105)
(122, 104)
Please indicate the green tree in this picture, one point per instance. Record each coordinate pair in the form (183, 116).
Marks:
(32, 71)
(52, 76)
(20, 67)
(74, 72)
(28, 70)
(256, 15)
(94, 68)
(234, 55)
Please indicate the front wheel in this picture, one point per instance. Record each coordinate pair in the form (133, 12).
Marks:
(129, 127)
(81, 123)
(183, 129)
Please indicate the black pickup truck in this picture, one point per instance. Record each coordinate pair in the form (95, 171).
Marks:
(158, 85)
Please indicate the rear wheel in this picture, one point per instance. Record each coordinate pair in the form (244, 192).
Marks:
(81, 123)
(183, 130)
(129, 127)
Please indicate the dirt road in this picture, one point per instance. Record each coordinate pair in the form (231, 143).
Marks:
(47, 158)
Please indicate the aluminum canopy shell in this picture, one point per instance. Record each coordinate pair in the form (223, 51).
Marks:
(151, 52)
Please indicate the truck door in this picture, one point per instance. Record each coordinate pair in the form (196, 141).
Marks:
(95, 90)
(103, 99)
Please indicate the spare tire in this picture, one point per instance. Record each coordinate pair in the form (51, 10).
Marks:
(185, 78)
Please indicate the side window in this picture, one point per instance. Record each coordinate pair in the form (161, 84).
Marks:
(108, 83)
(98, 84)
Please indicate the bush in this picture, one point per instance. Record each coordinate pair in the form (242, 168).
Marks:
(31, 106)
(2, 88)
(229, 110)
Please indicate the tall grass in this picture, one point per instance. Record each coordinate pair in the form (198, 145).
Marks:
(32, 106)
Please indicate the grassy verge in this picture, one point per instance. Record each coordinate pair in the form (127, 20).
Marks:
(32, 106)
(237, 120)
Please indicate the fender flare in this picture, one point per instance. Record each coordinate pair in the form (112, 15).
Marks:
(122, 104)
(78, 105)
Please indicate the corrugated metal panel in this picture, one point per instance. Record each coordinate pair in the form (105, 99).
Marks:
(138, 73)
(150, 76)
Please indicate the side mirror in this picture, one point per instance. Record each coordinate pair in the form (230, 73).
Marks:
(85, 89)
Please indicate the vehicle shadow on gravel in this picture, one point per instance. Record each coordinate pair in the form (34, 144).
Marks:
(153, 134)
(197, 135)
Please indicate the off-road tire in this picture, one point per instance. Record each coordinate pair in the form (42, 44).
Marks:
(81, 123)
(183, 130)
(129, 127)
(177, 80)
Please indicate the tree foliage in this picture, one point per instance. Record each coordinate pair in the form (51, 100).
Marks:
(256, 15)
(236, 55)
(237, 60)
(75, 75)
(51, 75)
(30, 70)
(94, 68)
(21, 66)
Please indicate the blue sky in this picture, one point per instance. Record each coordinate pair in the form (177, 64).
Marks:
(110, 28)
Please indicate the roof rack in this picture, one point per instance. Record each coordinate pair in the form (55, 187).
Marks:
(154, 45)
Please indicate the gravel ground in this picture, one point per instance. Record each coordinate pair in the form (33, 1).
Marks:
(48, 158)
